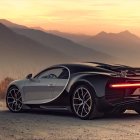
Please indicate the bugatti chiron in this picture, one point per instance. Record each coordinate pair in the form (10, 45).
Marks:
(88, 89)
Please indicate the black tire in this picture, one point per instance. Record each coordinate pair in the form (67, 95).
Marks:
(87, 106)
(14, 100)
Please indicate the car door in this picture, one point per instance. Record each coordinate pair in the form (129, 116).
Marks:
(59, 83)
(46, 86)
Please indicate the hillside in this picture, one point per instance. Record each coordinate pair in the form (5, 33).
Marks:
(120, 45)
(11, 24)
(21, 54)
(25, 50)
(65, 46)
(72, 50)
(74, 37)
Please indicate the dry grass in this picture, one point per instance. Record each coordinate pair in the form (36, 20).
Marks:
(3, 86)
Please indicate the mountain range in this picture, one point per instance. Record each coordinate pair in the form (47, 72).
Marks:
(24, 50)
(19, 54)
(125, 46)
(74, 37)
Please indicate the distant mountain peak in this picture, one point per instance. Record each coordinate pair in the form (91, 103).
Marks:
(126, 32)
(123, 34)
(11, 24)
(101, 34)
(4, 20)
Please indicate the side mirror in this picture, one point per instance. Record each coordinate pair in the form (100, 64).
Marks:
(29, 76)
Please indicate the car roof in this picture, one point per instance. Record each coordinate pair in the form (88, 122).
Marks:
(83, 67)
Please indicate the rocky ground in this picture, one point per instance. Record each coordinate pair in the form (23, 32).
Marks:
(44, 125)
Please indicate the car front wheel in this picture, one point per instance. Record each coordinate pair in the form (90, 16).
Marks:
(14, 100)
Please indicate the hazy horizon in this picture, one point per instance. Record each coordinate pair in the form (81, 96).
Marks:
(88, 17)
(75, 33)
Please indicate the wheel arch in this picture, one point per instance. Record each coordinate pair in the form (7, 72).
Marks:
(81, 82)
(12, 86)
(96, 82)
(94, 113)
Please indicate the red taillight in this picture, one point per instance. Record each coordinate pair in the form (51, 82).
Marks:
(124, 85)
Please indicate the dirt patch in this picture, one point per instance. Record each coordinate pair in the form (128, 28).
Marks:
(44, 125)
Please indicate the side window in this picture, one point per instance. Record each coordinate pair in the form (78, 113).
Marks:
(64, 74)
(55, 73)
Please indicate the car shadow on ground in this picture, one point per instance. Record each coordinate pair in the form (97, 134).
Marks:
(126, 116)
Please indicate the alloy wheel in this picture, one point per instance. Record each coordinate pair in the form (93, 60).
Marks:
(82, 102)
(14, 100)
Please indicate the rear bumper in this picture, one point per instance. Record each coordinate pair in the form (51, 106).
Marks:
(119, 88)
(128, 103)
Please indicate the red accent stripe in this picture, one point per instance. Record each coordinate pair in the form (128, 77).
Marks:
(125, 85)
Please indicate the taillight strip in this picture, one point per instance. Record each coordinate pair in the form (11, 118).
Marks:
(123, 85)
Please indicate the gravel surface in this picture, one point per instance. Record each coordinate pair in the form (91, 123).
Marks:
(44, 125)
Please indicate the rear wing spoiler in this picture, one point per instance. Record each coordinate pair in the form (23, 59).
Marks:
(120, 69)
(128, 72)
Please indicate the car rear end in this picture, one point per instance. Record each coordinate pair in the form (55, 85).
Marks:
(123, 92)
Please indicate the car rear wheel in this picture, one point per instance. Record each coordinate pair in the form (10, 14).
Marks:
(14, 100)
(84, 102)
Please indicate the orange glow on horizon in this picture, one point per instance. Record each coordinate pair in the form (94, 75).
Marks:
(75, 16)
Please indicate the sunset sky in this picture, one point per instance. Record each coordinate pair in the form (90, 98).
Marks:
(76, 16)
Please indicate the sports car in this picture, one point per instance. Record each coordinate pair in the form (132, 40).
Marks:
(88, 89)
